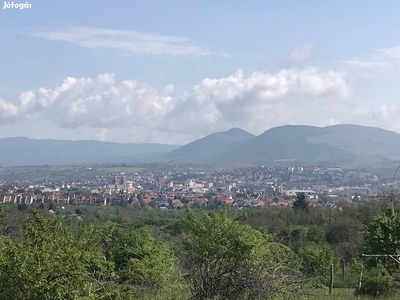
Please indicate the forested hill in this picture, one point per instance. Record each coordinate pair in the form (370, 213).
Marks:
(338, 144)
(211, 146)
(334, 145)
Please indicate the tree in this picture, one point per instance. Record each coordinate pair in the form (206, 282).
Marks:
(227, 260)
(316, 234)
(316, 260)
(52, 205)
(295, 236)
(345, 237)
(53, 262)
(140, 261)
(38, 192)
(140, 199)
(210, 195)
(22, 207)
(382, 235)
(376, 282)
(388, 199)
(300, 203)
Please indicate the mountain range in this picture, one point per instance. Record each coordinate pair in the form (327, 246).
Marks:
(334, 145)
(17, 151)
(338, 144)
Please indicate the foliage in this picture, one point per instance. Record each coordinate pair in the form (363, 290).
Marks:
(297, 236)
(136, 252)
(316, 260)
(377, 282)
(293, 236)
(382, 235)
(53, 262)
(231, 261)
(301, 203)
(316, 234)
(345, 237)
(141, 261)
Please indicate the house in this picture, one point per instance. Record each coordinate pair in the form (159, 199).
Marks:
(176, 203)
(257, 203)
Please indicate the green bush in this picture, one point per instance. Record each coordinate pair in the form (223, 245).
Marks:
(377, 282)
(316, 261)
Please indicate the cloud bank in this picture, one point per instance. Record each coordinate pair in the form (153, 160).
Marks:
(134, 111)
(149, 114)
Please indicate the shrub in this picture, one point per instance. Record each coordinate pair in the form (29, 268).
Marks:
(377, 282)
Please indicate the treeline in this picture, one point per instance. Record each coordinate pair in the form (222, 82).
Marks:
(86, 252)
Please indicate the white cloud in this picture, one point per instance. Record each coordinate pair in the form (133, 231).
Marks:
(386, 116)
(386, 112)
(135, 111)
(98, 103)
(301, 55)
(384, 59)
(7, 110)
(128, 41)
(257, 102)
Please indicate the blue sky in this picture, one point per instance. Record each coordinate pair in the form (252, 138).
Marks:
(174, 71)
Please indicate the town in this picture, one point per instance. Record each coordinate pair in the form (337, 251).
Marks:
(244, 187)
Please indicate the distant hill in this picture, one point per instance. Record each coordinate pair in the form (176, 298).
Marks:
(289, 143)
(210, 146)
(18, 151)
(338, 144)
(333, 145)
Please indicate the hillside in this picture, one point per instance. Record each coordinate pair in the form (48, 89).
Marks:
(333, 145)
(338, 144)
(287, 143)
(210, 146)
(24, 151)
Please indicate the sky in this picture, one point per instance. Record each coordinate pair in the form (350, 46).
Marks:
(172, 71)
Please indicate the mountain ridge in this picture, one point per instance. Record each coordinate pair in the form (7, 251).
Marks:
(310, 144)
(210, 145)
(16, 151)
(336, 145)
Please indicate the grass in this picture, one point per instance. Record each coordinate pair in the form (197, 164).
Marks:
(340, 294)
(317, 294)
(337, 293)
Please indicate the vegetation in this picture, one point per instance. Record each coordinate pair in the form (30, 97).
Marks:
(231, 261)
(135, 252)
(300, 202)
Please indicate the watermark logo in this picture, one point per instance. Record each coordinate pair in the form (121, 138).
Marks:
(9, 4)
